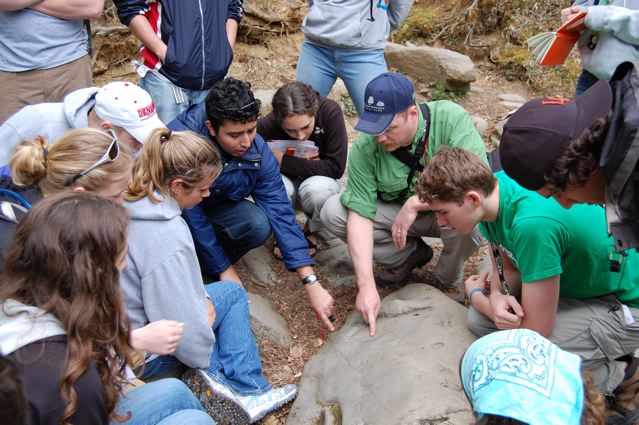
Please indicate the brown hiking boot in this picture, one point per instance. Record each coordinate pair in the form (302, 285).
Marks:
(420, 257)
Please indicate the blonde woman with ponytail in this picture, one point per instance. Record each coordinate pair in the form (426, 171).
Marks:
(163, 281)
(81, 160)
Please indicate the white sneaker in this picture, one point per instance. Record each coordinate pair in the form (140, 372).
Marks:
(218, 401)
(258, 406)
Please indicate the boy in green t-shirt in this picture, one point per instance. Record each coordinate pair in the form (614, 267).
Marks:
(555, 266)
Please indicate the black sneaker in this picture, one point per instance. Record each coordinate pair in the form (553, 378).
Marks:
(420, 257)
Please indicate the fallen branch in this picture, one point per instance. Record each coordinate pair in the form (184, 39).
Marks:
(104, 31)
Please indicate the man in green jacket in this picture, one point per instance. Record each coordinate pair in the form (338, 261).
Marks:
(378, 214)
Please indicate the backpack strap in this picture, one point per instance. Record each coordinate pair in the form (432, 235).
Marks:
(10, 193)
(412, 160)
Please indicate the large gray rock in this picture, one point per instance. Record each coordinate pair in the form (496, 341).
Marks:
(267, 323)
(512, 97)
(407, 374)
(337, 267)
(258, 263)
(430, 64)
(481, 125)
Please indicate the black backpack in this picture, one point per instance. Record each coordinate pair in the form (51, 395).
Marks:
(620, 158)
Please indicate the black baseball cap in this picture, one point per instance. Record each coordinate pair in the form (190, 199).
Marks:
(539, 132)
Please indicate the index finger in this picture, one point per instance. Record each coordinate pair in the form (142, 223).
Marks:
(372, 323)
(326, 321)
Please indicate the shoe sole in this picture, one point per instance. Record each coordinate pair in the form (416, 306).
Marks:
(275, 407)
(384, 283)
(223, 410)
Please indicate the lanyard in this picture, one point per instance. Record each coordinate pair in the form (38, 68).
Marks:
(498, 261)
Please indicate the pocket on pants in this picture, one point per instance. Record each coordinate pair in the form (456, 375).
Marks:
(613, 337)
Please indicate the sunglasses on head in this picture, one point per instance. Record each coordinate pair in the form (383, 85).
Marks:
(112, 153)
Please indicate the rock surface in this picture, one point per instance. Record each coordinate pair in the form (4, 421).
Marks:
(407, 374)
(259, 265)
(430, 64)
(512, 97)
(267, 323)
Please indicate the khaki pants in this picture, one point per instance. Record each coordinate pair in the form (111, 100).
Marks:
(457, 247)
(42, 85)
(591, 329)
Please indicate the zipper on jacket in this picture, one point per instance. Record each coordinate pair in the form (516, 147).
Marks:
(199, 3)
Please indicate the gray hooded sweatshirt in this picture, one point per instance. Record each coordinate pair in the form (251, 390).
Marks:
(353, 24)
(162, 279)
(50, 120)
(611, 37)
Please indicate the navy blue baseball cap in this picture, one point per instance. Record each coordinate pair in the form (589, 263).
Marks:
(385, 96)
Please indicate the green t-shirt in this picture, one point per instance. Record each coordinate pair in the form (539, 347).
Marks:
(543, 239)
(372, 171)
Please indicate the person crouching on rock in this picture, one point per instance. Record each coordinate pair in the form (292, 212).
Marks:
(163, 281)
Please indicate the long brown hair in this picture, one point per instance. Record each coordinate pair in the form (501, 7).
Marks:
(64, 261)
(169, 155)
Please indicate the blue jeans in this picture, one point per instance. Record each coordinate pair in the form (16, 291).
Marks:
(239, 227)
(235, 359)
(584, 82)
(319, 66)
(166, 402)
(169, 99)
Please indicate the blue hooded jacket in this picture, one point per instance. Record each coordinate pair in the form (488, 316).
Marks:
(255, 174)
(198, 51)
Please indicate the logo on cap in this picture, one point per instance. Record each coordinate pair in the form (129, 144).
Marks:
(147, 111)
(555, 101)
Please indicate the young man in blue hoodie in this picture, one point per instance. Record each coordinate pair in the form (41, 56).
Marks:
(226, 225)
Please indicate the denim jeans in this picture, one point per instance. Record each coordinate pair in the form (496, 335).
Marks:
(309, 194)
(169, 99)
(319, 66)
(166, 402)
(235, 359)
(239, 227)
(584, 82)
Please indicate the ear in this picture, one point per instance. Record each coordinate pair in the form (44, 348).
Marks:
(176, 186)
(474, 197)
(106, 125)
(412, 111)
(209, 126)
(78, 189)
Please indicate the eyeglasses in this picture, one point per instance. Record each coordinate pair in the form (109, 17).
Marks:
(112, 153)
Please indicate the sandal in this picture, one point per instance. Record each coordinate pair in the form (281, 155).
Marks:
(312, 246)
(277, 253)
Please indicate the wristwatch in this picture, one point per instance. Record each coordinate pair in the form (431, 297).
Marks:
(310, 279)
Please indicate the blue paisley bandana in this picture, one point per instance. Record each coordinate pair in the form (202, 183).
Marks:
(521, 375)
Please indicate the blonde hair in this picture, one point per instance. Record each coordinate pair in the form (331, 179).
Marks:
(54, 167)
(169, 155)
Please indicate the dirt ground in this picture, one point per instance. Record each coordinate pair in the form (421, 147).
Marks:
(268, 65)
